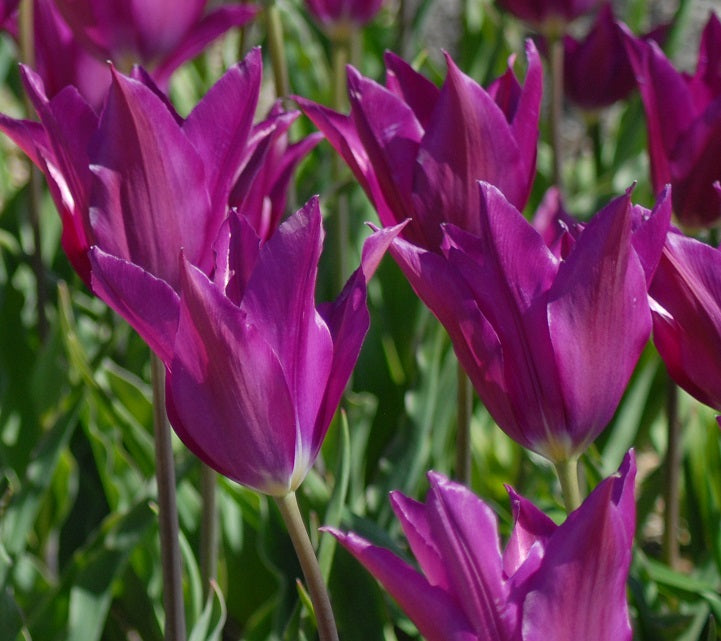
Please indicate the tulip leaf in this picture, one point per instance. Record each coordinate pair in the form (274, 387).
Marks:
(209, 626)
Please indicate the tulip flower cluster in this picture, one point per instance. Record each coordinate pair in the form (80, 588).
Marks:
(178, 223)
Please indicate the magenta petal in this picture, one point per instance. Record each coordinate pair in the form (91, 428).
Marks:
(419, 93)
(465, 531)
(390, 133)
(468, 139)
(219, 125)
(649, 232)
(531, 527)
(29, 135)
(413, 517)
(280, 302)
(151, 199)
(667, 102)
(687, 316)
(229, 392)
(435, 613)
(236, 253)
(201, 34)
(599, 322)
(586, 562)
(146, 302)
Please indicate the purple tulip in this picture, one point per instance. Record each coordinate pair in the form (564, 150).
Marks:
(683, 116)
(7, 9)
(686, 293)
(141, 182)
(563, 583)
(254, 370)
(548, 16)
(337, 13)
(548, 338)
(158, 34)
(417, 150)
(601, 56)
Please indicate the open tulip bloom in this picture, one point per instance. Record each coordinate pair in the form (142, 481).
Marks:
(549, 340)
(548, 16)
(417, 150)
(683, 117)
(551, 583)
(337, 13)
(141, 182)
(254, 370)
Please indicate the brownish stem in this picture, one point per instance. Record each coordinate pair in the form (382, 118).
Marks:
(463, 438)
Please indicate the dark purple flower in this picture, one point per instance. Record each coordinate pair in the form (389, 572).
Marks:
(548, 16)
(343, 13)
(683, 117)
(255, 370)
(559, 583)
(417, 150)
(597, 71)
(549, 338)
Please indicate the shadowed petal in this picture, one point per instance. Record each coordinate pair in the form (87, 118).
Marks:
(419, 93)
(146, 302)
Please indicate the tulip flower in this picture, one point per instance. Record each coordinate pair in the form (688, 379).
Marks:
(548, 16)
(158, 34)
(7, 8)
(141, 182)
(686, 294)
(548, 340)
(683, 117)
(417, 150)
(602, 56)
(255, 370)
(333, 13)
(554, 582)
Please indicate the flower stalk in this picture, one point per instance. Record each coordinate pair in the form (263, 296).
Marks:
(463, 437)
(672, 479)
(208, 528)
(167, 510)
(568, 476)
(274, 28)
(556, 114)
(288, 506)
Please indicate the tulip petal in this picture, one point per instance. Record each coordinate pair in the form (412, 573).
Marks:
(419, 93)
(219, 125)
(150, 198)
(599, 322)
(435, 613)
(413, 517)
(468, 139)
(466, 533)
(149, 305)
(229, 391)
(586, 562)
(236, 253)
(686, 316)
(280, 302)
(531, 527)
(390, 134)
(649, 232)
(510, 270)
(202, 33)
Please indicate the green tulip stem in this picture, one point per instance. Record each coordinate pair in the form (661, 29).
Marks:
(556, 115)
(463, 438)
(568, 476)
(274, 27)
(167, 510)
(288, 506)
(672, 479)
(27, 54)
(341, 52)
(208, 529)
